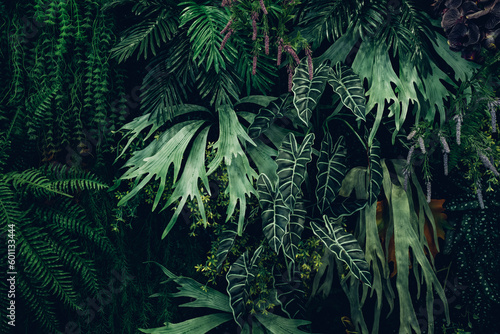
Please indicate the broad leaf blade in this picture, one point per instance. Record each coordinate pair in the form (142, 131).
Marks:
(375, 172)
(267, 115)
(198, 325)
(349, 87)
(292, 162)
(275, 214)
(276, 324)
(331, 171)
(227, 238)
(306, 93)
(292, 237)
(238, 278)
(346, 248)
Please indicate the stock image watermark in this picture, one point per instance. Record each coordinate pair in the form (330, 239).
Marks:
(11, 274)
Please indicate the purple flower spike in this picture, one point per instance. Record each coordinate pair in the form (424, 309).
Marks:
(266, 43)
(290, 77)
(226, 38)
(255, 17)
(411, 134)
(487, 163)
(263, 7)
(291, 51)
(280, 51)
(254, 64)
(410, 153)
(492, 106)
(428, 184)
(446, 148)
(226, 28)
(421, 144)
(458, 119)
(445, 163)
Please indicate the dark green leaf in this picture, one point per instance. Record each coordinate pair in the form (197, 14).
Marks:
(349, 87)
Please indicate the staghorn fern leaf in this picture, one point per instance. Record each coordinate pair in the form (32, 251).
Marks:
(345, 247)
(306, 93)
(292, 162)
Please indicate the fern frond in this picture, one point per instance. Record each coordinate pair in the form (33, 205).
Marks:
(146, 36)
(10, 213)
(71, 180)
(218, 87)
(64, 214)
(43, 266)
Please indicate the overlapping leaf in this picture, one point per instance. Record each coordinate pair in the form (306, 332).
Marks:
(375, 171)
(226, 242)
(275, 215)
(238, 279)
(331, 171)
(293, 233)
(345, 247)
(292, 162)
(268, 114)
(306, 92)
(349, 87)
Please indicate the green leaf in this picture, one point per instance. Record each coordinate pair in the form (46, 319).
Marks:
(279, 325)
(292, 162)
(260, 100)
(262, 157)
(349, 87)
(345, 247)
(238, 279)
(375, 172)
(275, 214)
(229, 150)
(226, 242)
(289, 292)
(293, 233)
(157, 157)
(267, 115)
(306, 93)
(344, 208)
(188, 186)
(331, 171)
(199, 325)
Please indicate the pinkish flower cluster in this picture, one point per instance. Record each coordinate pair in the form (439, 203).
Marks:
(309, 62)
(459, 119)
(226, 28)
(266, 43)
(292, 53)
(421, 144)
(255, 17)
(492, 106)
(290, 70)
(280, 51)
(226, 38)
(487, 163)
(254, 64)
(446, 148)
(263, 7)
(410, 153)
(411, 134)
(226, 3)
(445, 163)
(428, 184)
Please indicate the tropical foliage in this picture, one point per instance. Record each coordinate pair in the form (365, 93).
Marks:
(276, 160)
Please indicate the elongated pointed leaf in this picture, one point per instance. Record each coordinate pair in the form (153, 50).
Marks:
(276, 324)
(275, 214)
(293, 233)
(187, 186)
(346, 248)
(156, 160)
(238, 279)
(331, 171)
(198, 325)
(292, 162)
(345, 208)
(229, 150)
(268, 114)
(306, 92)
(290, 293)
(227, 238)
(349, 87)
(375, 171)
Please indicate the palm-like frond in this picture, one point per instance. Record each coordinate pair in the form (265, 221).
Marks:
(147, 35)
